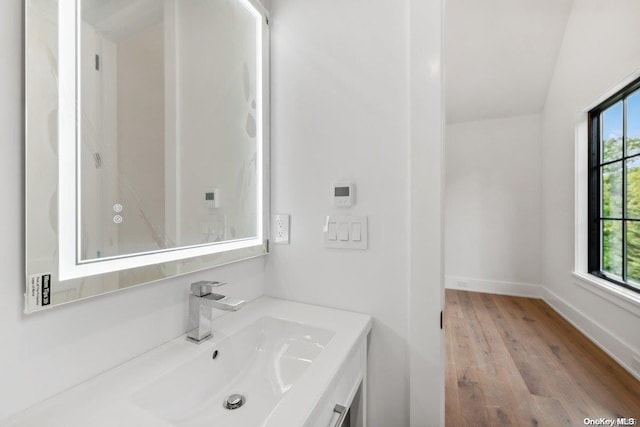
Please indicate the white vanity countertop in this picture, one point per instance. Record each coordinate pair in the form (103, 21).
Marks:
(106, 400)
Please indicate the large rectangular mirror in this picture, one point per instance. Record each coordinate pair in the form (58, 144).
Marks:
(147, 141)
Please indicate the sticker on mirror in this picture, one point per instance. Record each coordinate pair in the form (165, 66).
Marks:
(40, 289)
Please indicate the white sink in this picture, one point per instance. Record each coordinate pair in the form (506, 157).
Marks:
(261, 362)
(286, 358)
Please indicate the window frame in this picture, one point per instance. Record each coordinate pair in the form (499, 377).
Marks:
(594, 252)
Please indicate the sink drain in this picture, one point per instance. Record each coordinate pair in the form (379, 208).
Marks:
(234, 401)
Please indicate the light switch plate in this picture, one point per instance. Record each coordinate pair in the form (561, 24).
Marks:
(281, 229)
(339, 232)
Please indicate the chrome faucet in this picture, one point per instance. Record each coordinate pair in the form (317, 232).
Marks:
(201, 302)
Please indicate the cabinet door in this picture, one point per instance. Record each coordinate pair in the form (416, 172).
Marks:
(333, 408)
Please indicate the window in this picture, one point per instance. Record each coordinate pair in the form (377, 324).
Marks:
(614, 188)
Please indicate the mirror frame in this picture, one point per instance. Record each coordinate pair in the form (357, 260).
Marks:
(70, 266)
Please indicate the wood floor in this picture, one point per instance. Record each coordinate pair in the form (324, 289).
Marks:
(515, 362)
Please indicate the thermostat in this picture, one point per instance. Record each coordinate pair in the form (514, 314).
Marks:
(343, 194)
(212, 198)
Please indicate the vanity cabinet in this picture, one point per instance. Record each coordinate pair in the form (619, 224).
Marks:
(296, 365)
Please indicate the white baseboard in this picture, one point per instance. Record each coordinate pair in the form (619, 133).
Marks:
(603, 338)
(517, 289)
(622, 353)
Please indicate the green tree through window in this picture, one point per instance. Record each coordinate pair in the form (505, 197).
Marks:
(615, 142)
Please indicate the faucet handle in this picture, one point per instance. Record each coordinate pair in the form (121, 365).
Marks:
(204, 287)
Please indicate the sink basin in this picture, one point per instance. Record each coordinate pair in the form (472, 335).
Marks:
(262, 362)
(291, 362)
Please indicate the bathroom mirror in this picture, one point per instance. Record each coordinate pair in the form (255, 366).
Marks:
(146, 142)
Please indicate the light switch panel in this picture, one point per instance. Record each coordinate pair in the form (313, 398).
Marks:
(346, 232)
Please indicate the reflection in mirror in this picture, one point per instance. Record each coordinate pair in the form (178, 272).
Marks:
(168, 128)
(171, 146)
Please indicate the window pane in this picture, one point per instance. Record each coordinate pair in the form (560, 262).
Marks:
(612, 133)
(633, 251)
(612, 190)
(633, 124)
(633, 188)
(612, 247)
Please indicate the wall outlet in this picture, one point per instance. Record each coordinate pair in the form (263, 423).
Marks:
(281, 226)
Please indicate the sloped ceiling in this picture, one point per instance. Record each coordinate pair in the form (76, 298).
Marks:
(500, 56)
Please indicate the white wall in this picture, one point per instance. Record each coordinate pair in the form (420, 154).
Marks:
(492, 203)
(426, 241)
(599, 50)
(45, 353)
(340, 110)
(341, 101)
